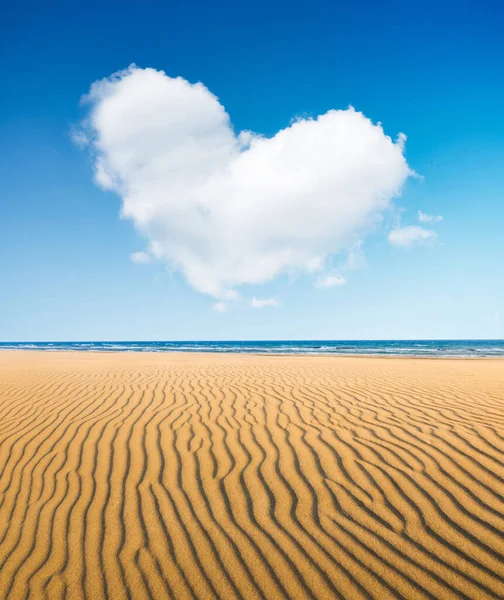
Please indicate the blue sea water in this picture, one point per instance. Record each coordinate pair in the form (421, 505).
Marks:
(432, 348)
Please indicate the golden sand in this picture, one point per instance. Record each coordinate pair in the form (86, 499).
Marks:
(126, 476)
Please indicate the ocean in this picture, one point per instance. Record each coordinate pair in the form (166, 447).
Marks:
(425, 348)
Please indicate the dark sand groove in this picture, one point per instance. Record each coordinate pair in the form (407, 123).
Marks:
(157, 476)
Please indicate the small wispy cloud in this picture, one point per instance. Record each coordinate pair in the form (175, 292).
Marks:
(330, 280)
(140, 258)
(220, 307)
(411, 235)
(261, 303)
(423, 218)
(355, 257)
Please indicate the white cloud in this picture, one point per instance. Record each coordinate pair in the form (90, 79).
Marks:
(229, 209)
(258, 303)
(410, 235)
(140, 258)
(423, 218)
(220, 307)
(330, 280)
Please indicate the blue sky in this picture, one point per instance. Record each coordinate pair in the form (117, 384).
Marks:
(433, 71)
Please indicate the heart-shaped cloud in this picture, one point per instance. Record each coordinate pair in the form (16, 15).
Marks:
(229, 209)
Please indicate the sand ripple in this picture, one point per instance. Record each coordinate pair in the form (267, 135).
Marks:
(184, 476)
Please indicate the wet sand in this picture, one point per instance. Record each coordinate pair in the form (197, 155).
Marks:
(136, 475)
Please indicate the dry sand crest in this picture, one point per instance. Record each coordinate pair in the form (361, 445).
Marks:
(126, 476)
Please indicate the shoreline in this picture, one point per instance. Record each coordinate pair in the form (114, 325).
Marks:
(199, 354)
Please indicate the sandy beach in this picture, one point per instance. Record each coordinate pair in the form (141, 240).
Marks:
(183, 476)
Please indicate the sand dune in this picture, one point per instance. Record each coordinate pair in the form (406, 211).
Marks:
(126, 476)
